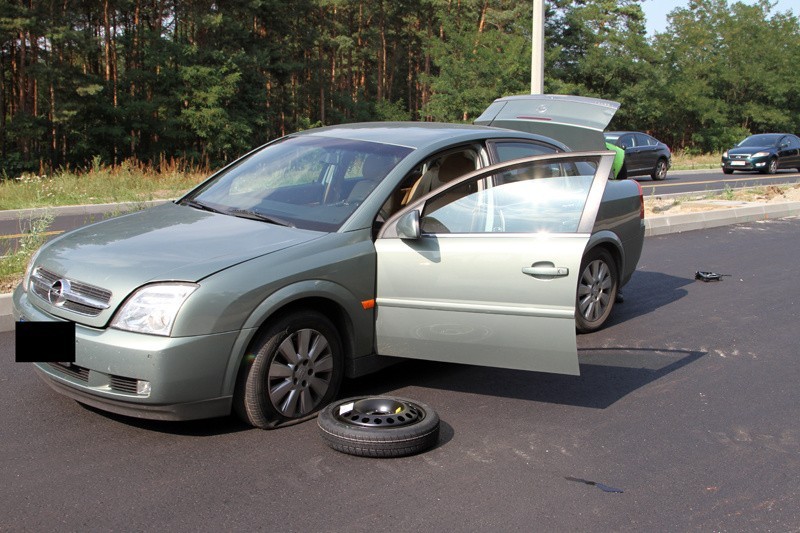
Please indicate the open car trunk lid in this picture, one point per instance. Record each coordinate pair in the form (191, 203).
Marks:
(577, 121)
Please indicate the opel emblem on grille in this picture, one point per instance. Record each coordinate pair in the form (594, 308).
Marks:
(57, 295)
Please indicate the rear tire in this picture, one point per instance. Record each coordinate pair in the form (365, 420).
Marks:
(294, 369)
(597, 290)
(660, 170)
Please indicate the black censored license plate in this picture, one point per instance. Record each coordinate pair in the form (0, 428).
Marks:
(45, 342)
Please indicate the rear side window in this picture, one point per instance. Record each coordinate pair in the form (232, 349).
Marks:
(644, 140)
(626, 141)
(510, 150)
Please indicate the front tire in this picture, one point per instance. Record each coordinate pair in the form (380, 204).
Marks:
(727, 170)
(294, 369)
(660, 170)
(772, 166)
(597, 290)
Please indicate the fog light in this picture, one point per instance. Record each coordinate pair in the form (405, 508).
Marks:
(143, 387)
(760, 164)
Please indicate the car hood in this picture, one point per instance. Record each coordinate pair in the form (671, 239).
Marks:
(747, 150)
(169, 242)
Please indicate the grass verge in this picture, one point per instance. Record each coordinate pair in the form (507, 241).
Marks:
(128, 182)
(686, 161)
(12, 265)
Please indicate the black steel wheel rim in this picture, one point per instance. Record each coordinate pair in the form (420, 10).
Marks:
(376, 412)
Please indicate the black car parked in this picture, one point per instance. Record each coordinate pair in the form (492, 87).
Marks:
(644, 155)
(765, 152)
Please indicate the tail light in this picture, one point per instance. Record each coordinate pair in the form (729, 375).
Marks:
(641, 199)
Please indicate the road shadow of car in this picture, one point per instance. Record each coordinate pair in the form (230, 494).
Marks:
(646, 292)
(208, 427)
(607, 375)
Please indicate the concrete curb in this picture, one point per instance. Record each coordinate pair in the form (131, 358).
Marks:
(6, 320)
(663, 225)
(654, 226)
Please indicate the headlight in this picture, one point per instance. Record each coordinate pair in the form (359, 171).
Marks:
(760, 154)
(152, 309)
(28, 271)
(725, 153)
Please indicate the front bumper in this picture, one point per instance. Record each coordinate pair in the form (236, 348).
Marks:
(185, 374)
(751, 163)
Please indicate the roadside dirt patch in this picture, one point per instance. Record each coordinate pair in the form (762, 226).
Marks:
(9, 285)
(730, 200)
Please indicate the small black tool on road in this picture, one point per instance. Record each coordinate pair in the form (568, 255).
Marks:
(708, 276)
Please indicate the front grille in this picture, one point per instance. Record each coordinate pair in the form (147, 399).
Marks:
(76, 296)
(123, 384)
(73, 370)
(115, 383)
(738, 156)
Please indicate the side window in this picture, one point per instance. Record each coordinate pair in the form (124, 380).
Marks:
(434, 173)
(510, 150)
(794, 142)
(544, 196)
(644, 140)
(626, 141)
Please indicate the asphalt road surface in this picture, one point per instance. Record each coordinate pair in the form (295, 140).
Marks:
(687, 402)
(686, 182)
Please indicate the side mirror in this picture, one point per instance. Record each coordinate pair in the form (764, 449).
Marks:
(408, 226)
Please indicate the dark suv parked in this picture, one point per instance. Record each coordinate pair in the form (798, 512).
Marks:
(644, 155)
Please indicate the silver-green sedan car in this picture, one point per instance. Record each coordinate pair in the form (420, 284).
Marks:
(331, 253)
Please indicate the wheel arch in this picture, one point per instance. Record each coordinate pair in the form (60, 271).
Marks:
(609, 241)
(328, 298)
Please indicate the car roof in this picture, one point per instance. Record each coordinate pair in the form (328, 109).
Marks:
(765, 134)
(417, 135)
(624, 133)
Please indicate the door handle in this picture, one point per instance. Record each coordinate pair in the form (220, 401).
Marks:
(546, 271)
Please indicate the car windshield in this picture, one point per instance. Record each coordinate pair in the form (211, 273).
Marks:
(766, 139)
(309, 182)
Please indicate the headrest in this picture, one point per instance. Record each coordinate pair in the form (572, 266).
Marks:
(454, 166)
(375, 167)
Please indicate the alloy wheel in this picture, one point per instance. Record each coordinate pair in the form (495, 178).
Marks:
(594, 290)
(300, 374)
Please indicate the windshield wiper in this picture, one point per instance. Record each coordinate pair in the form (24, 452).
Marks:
(253, 215)
(200, 205)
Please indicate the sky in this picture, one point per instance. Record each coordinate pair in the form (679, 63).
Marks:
(656, 11)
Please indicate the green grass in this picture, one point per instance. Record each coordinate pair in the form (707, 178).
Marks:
(134, 182)
(12, 265)
(127, 182)
(685, 161)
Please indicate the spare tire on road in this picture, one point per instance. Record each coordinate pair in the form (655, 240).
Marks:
(379, 426)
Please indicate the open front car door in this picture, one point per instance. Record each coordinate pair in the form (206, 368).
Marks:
(484, 271)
